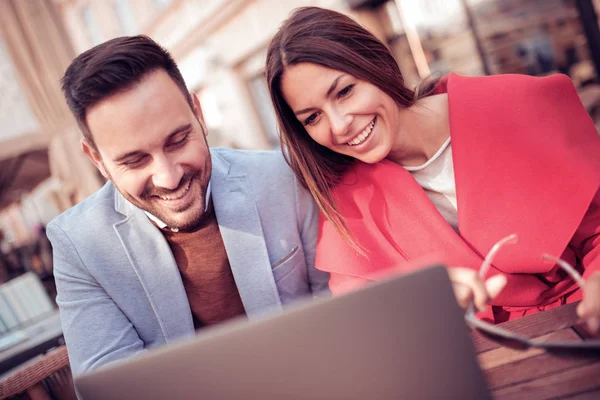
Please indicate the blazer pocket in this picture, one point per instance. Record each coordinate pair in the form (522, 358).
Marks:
(291, 276)
(285, 265)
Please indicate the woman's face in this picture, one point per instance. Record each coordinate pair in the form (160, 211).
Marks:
(345, 114)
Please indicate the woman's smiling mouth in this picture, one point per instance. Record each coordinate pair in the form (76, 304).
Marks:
(363, 135)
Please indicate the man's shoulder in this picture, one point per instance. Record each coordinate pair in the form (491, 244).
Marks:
(270, 162)
(92, 210)
(267, 172)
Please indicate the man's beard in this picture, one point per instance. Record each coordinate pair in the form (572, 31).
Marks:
(193, 212)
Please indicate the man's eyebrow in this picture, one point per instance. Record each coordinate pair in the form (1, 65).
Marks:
(175, 131)
(180, 129)
(329, 91)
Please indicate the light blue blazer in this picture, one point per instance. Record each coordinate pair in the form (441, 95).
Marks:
(119, 289)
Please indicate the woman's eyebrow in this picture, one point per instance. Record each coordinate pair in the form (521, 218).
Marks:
(329, 91)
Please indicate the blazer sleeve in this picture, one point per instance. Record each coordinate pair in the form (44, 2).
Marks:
(308, 223)
(586, 240)
(96, 331)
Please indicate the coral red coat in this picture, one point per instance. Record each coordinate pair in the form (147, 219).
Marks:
(526, 161)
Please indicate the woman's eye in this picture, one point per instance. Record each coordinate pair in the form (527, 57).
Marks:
(311, 119)
(345, 91)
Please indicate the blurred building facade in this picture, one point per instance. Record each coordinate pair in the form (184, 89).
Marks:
(42, 170)
(220, 46)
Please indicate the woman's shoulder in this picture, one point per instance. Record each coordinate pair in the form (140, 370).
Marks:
(517, 86)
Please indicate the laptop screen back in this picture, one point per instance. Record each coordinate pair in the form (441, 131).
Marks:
(401, 338)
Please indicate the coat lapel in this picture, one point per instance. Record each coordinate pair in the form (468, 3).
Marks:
(241, 230)
(534, 172)
(393, 220)
(153, 262)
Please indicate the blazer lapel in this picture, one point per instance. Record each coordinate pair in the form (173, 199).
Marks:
(241, 230)
(153, 262)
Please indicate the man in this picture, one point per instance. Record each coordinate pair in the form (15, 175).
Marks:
(180, 237)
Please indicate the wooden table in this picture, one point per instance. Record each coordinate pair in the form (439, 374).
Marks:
(533, 373)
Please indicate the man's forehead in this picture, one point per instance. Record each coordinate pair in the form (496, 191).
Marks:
(147, 112)
(157, 88)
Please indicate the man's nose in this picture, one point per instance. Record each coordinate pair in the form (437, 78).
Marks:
(167, 174)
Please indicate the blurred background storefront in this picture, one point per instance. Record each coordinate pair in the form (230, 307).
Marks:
(220, 46)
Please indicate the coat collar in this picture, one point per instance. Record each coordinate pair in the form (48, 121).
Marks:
(521, 163)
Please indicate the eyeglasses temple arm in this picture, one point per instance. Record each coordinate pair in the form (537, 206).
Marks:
(489, 258)
(567, 267)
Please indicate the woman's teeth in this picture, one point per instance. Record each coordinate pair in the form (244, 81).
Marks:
(363, 136)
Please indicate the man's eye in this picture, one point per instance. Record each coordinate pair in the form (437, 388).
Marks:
(345, 91)
(311, 119)
(134, 163)
(179, 142)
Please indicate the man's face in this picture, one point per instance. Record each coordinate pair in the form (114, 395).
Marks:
(153, 148)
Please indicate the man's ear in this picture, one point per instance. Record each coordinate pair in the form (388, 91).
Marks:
(94, 156)
(198, 112)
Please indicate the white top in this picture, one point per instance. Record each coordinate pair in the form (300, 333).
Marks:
(436, 177)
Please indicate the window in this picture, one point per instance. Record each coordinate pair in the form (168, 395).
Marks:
(91, 24)
(262, 100)
(125, 16)
(162, 3)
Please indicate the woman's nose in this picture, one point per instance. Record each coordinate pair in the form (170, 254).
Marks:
(340, 121)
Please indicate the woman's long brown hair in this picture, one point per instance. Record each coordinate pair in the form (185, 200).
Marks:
(332, 40)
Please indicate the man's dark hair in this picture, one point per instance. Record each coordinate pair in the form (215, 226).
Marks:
(112, 67)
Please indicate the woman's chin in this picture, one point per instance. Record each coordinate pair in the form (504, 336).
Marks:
(372, 157)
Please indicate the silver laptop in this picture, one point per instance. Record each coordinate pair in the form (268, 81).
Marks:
(401, 338)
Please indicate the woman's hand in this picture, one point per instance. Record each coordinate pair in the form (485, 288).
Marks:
(468, 286)
(589, 308)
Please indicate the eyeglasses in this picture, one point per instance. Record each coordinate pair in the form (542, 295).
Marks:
(512, 339)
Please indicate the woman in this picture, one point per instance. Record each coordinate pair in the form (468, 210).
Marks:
(443, 171)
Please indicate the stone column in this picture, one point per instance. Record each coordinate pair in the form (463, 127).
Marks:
(41, 51)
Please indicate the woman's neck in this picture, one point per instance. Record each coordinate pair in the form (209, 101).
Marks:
(424, 127)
